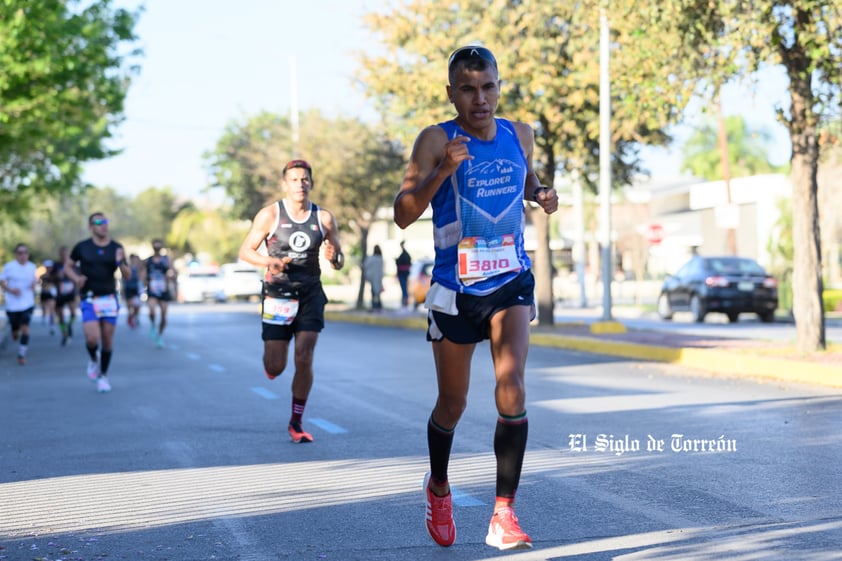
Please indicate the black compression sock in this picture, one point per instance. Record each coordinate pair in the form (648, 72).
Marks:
(509, 448)
(105, 361)
(439, 441)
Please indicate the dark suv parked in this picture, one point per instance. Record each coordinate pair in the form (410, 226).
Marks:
(730, 285)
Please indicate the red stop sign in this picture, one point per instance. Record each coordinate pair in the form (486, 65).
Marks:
(655, 234)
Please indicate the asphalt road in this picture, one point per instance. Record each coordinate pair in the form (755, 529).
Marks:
(188, 459)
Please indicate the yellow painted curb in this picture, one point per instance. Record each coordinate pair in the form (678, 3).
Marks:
(601, 327)
(718, 361)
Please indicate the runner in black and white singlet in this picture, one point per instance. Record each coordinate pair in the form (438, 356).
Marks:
(98, 258)
(132, 289)
(293, 302)
(158, 273)
(67, 296)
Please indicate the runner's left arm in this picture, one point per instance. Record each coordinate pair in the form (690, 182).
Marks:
(333, 247)
(533, 191)
(125, 270)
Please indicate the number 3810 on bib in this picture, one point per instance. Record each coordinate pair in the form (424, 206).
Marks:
(482, 258)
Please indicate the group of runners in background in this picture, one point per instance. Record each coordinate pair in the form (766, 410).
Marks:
(81, 281)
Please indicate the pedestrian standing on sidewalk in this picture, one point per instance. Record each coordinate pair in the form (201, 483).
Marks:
(404, 264)
(373, 273)
(293, 301)
(98, 258)
(18, 279)
(482, 284)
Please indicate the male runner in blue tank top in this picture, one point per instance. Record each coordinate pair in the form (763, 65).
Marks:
(293, 303)
(476, 171)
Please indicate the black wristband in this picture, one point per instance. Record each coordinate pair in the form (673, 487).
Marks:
(535, 193)
(338, 260)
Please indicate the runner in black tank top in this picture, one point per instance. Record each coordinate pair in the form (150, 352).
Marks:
(98, 258)
(293, 303)
(158, 275)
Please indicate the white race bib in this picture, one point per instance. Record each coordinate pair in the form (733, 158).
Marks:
(157, 286)
(482, 258)
(105, 306)
(279, 311)
(66, 287)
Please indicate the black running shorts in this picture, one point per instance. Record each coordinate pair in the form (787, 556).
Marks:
(19, 319)
(310, 317)
(473, 322)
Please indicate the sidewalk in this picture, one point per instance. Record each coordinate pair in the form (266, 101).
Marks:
(714, 355)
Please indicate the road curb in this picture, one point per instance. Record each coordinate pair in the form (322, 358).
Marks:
(717, 361)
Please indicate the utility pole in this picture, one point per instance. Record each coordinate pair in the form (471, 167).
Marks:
(725, 163)
(579, 253)
(293, 105)
(605, 164)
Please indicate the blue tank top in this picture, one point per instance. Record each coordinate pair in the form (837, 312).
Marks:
(478, 214)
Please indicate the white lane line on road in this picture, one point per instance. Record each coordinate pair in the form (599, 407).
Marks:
(216, 367)
(264, 393)
(328, 426)
(460, 498)
(193, 356)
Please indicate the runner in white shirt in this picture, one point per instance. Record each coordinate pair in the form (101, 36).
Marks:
(18, 281)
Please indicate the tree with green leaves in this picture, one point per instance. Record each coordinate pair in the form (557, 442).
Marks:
(710, 43)
(151, 213)
(208, 232)
(548, 57)
(747, 150)
(63, 81)
(355, 167)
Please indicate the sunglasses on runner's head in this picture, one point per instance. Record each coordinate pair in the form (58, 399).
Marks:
(99, 221)
(466, 53)
(297, 164)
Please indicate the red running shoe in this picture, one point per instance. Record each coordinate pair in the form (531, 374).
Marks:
(504, 531)
(270, 376)
(439, 515)
(297, 434)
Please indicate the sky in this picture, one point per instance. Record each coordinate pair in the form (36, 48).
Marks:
(213, 62)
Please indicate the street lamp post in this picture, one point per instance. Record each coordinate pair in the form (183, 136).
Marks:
(605, 163)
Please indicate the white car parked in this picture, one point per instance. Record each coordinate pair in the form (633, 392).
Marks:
(200, 284)
(241, 281)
